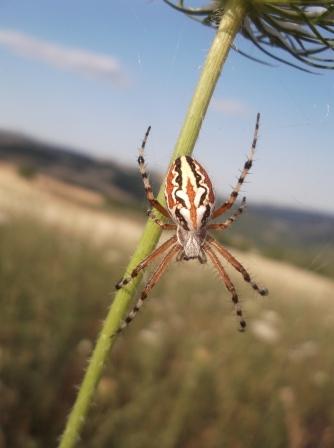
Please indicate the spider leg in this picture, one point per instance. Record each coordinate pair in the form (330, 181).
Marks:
(226, 224)
(228, 283)
(149, 285)
(142, 265)
(237, 265)
(163, 225)
(147, 185)
(247, 166)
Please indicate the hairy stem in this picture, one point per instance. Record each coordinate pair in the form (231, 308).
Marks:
(223, 40)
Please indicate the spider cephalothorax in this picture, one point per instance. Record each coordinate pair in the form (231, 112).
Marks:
(190, 203)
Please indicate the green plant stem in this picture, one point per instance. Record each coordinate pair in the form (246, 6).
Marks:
(216, 57)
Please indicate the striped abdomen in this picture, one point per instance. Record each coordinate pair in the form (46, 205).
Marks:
(189, 194)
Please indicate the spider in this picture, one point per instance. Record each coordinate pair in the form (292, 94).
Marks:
(190, 203)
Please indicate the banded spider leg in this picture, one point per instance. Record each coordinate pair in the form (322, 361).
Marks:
(190, 203)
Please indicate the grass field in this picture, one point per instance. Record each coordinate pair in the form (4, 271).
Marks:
(181, 375)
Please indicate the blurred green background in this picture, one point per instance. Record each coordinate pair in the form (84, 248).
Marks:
(80, 83)
(181, 375)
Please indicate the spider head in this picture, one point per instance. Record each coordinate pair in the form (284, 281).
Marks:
(192, 243)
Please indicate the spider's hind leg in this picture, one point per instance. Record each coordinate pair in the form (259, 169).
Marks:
(247, 166)
(147, 185)
(161, 224)
(231, 220)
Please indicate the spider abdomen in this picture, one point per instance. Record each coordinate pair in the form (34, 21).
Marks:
(189, 193)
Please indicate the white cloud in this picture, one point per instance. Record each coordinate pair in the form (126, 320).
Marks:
(229, 106)
(66, 58)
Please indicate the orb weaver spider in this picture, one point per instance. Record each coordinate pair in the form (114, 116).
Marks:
(190, 201)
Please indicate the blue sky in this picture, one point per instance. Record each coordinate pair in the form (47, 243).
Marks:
(134, 63)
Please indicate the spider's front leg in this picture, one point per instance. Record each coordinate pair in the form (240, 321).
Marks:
(237, 265)
(157, 274)
(228, 283)
(233, 196)
(143, 264)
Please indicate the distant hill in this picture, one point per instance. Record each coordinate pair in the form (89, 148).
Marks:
(303, 237)
(110, 179)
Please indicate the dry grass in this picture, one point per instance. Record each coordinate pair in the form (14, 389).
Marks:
(79, 211)
(181, 375)
(73, 209)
